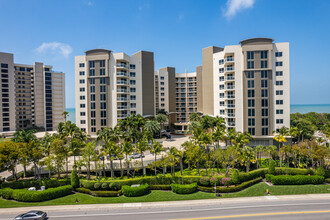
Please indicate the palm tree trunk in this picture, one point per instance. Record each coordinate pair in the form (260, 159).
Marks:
(24, 167)
(155, 164)
(67, 167)
(88, 168)
(198, 168)
(121, 169)
(142, 165)
(127, 166)
(218, 171)
(181, 166)
(111, 168)
(103, 166)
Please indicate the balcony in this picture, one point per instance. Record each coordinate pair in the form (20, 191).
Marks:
(231, 124)
(229, 69)
(231, 115)
(122, 99)
(126, 83)
(229, 59)
(230, 96)
(122, 116)
(230, 87)
(123, 107)
(228, 78)
(230, 105)
(122, 91)
(122, 65)
(122, 74)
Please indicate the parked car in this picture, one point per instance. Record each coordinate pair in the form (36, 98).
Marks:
(37, 215)
(114, 157)
(136, 155)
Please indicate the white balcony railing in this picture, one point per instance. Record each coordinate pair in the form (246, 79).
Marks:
(122, 91)
(122, 74)
(122, 65)
(230, 78)
(230, 87)
(229, 59)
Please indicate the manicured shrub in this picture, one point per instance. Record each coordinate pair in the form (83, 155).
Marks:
(24, 195)
(269, 177)
(320, 171)
(6, 193)
(204, 181)
(327, 173)
(296, 180)
(105, 186)
(221, 189)
(74, 179)
(327, 180)
(48, 183)
(105, 193)
(292, 171)
(271, 168)
(226, 181)
(160, 187)
(244, 177)
(97, 186)
(83, 190)
(184, 189)
(214, 181)
(135, 191)
(235, 177)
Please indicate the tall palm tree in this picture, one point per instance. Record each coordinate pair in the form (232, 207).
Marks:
(141, 147)
(231, 135)
(156, 148)
(65, 114)
(152, 127)
(247, 153)
(161, 119)
(258, 150)
(24, 136)
(271, 150)
(194, 117)
(127, 150)
(89, 152)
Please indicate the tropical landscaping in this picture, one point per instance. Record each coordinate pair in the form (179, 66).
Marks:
(215, 160)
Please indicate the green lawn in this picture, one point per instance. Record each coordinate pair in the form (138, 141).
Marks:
(256, 190)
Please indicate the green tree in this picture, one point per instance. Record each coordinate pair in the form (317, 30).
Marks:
(88, 153)
(59, 152)
(258, 150)
(194, 117)
(65, 114)
(24, 136)
(74, 179)
(141, 147)
(152, 127)
(9, 157)
(156, 148)
(161, 119)
(127, 150)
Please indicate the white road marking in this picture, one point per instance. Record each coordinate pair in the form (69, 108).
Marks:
(271, 197)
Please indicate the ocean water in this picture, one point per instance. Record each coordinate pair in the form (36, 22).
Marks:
(293, 109)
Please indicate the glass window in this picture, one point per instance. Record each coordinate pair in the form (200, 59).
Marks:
(82, 73)
(221, 62)
(132, 82)
(82, 105)
(221, 70)
(103, 122)
(82, 81)
(264, 54)
(264, 102)
(279, 92)
(82, 113)
(102, 63)
(279, 63)
(82, 89)
(132, 66)
(279, 121)
(264, 83)
(263, 64)
(279, 102)
(92, 105)
(81, 64)
(82, 97)
(250, 55)
(92, 89)
(102, 72)
(102, 80)
(250, 83)
(252, 131)
(264, 131)
(93, 129)
(103, 97)
(251, 103)
(251, 121)
(93, 114)
(92, 72)
(250, 93)
(251, 112)
(264, 112)
(132, 74)
(103, 105)
(91, 64)
(162, 78)
(93, 122)
(279, 83)
(92, 81)
(278, 54)
(250, 64)
(133, 97)
(82, 122)
(103, 88)
(279, 111)
(264, 74)
(93, 97)
(264, 93)
(4, 65)
(264, 122)
(279, 73)
(250, 74)
(103, 114)
(132, 89)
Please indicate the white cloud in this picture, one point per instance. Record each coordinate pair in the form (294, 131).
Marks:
(234, 6)
(55, 48)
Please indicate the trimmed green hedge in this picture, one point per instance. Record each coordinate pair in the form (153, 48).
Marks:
(327, 180)
(160, 187)
(24, 195)
(292, 171)
(99, 193)
(296, 180)
(48, 183)
(184, 189)
(135, 191)
(221, 189)
(243, 177)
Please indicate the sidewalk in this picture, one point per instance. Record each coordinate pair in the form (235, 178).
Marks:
(123, 206)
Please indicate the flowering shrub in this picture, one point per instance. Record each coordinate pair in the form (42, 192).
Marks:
(204, 181)
(226, 181)
(214, 181)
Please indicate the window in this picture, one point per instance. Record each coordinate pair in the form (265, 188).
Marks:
(222, 112)
(82, 105)
(279, 111)
(103, 114)
(132, 89)
(93, 114)
(92, 89)
(133, 97)
(102, 72)
(132, 66)
(279, 63)
(93, 129)
(250, 55)
(162, 100)
(250, 83)
(264, 102)
(81, 64)
(82, 97)
(252, 131)
(92, 105)
(4, 65)
(263, 64)
(222, 103)
(250, 93)
(162, 94)
(279, 73)
(162, 83)
(221, 78)
(132, 82)
(92, 72)
(103, 105)
(250, 74)
(264, 122)
(251, 121)
(221, 87)
(222, 95)
(91, 64)
(102, 63)
(264, 131)
(103, 122)
(82, 113)
(279, 83)
(93, 97)
(221, 62)
(251, 103)
(264, 54)
(264, 83)
(279, 102)
(278, 54)
(93, 122)
(82, 122)
(279, 121)
(133, 105)
(251, 112)
(264, 112)
(103, 89)
(82, 89)
(103, 97)
(82, 81)
(221, 70)
(82, 73)
(162, 89)
(250, 64)
(162, 78)
(132, 74)
(279, 92)
(92, 81)
(102, 80)
(264, 74)
(264, 93)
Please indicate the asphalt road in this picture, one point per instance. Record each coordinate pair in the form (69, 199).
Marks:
(269, 209)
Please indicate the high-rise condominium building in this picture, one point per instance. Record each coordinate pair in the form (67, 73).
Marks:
(111, 86)
(31, 95)
(176, 94)
(248, 85)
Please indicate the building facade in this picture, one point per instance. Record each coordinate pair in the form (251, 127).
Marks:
(31, 95)
(111, 86)
(248, 85)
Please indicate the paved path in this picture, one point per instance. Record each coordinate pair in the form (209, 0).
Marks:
(309, 206)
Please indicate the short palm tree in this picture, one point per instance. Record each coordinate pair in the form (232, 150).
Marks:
(156, 148)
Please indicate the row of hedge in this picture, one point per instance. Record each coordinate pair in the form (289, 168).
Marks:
(48, 183)
(99, 193)
(294, 180)
(184, 189)
(131, 191)
(221, 189)
(24, 195)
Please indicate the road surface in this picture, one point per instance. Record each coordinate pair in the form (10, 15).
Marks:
(281, 207)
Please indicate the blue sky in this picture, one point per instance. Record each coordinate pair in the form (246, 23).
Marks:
(55, 31)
